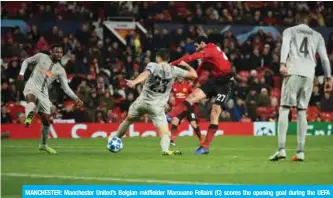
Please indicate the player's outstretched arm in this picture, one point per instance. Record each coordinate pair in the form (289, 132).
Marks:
(190, 58)
(69, 92)
(142, 77)
(192, 74)
(25, 64)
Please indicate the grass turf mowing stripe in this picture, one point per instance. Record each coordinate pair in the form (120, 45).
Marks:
(129, 180)
(96, 148)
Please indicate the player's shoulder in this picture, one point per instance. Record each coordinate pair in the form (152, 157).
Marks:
(61, 69)
(152, 65)
(42, 55)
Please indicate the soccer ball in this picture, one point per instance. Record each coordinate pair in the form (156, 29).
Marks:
(114, 144)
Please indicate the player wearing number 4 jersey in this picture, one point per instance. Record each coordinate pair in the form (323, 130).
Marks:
(158, 78)
(218, 86)
(298, 61)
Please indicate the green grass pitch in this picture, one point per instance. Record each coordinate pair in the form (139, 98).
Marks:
(233, 160)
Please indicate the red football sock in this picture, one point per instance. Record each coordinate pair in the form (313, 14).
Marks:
(210, 135)
(174, 132)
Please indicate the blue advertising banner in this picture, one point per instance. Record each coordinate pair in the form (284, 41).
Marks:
(177, 190)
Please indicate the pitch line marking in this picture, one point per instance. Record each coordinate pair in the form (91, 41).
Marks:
(116, 179)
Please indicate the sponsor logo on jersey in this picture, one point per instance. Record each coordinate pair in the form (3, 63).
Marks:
(48, 73)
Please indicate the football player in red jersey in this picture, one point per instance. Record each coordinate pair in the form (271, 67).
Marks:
(219, 85)
(181, 89)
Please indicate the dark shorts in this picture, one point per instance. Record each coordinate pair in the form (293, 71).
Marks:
(220, 88)
(190, 117)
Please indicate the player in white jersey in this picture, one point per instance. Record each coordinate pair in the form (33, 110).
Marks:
(298, 61)
(159, 78)
(47, 70)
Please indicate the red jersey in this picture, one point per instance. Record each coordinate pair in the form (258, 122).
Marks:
(181, 90)
(212, 56)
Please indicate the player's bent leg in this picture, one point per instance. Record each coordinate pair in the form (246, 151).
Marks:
(30, 109)
(124, 126)
(214, 120)
(185, 106)
(45, 117)
(302, 124)
(282, 134)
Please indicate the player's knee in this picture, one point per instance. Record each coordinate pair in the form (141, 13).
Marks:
(31, 98)
(194, 124)
(45, 121)
(129, 119)
(164, 130)
(175, 121)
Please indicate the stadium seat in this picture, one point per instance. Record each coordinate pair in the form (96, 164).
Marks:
(275, 92)
(313, 111)
(277, 81)
(326, 116)
(293, 115)
(264, 112)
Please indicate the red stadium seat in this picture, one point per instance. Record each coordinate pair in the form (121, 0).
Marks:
(313, 111)
(275, 92)
(326, 116)
(264, 112)
(245, 120)
(293, 115)
(277, 81)
(311, 117)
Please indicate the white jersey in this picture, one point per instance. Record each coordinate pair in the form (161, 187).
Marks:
(299, 47)
(45, 73)
(157, 87)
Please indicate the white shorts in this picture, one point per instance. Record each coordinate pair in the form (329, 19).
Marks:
(43, 103)
(296, 91)
(156, 113)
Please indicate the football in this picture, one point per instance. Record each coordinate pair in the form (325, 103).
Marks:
(114, 144)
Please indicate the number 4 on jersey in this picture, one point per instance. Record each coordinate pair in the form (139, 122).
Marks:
(304, 47)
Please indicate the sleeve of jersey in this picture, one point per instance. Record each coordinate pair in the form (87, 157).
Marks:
(285, 48)
(29, 60)
(151, 67)
(190, 58)
(179, 72)
(64, 85)
(323, 57)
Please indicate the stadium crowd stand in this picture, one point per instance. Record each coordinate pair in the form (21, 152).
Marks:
(97, 68)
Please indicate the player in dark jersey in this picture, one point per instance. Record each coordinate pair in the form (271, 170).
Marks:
(219, 86)
(180, 90)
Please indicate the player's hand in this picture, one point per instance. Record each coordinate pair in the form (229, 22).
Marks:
(130, 83)
(284, 69)
(20, 78)
(78, 103)
(183, 63)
